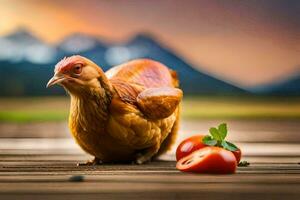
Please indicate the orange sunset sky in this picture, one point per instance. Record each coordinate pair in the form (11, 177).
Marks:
(246, 42)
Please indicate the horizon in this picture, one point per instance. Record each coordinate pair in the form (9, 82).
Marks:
(108, 43)
(248, 43)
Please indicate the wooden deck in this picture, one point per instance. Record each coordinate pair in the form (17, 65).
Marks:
(46, 169)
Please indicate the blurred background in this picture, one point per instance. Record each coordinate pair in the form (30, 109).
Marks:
(238, 61)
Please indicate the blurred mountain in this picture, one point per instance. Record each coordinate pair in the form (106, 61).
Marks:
(23, 36)
(84, 45)
(192, 81)
(78, 43)
(26, 79)
(22, 45)
(289, 86)
(26, 63)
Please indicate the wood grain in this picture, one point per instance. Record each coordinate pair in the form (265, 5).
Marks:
(48, 173)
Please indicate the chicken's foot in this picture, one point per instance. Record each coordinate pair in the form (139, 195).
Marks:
(95, 161)
(147, 155)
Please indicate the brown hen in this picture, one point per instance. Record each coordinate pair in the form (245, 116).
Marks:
(129, 113)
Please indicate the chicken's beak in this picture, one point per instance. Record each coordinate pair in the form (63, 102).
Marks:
(57, 78)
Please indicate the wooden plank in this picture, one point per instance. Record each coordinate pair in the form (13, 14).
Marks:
(42, 173)
(157, 178)
(99, 187)
(267, 130)
(151, 195)
(46, 146)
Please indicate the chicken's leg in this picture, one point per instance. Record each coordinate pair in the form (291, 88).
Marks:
(95, 161)
(147, 155)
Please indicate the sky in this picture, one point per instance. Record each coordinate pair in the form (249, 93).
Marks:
(247, 42)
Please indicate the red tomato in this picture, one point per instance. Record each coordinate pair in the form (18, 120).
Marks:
(238, 155)
(209, 160)
(189, 145)
(194, 143)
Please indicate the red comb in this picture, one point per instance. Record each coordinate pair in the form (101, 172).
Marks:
(67, 62)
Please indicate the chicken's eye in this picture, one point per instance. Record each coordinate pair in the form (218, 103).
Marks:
(77, 69)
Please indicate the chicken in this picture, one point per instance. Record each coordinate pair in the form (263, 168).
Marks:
(128, 114)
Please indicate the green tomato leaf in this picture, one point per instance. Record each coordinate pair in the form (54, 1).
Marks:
(229, 146)
(208, 140)
(224, 145)
(215, 134)
(232, 146)
(223, 130)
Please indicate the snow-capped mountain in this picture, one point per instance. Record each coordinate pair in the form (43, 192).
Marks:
(26, 64)
(22, 45)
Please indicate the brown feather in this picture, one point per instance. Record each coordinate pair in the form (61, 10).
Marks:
(127, 92)
(159, 103)
(131, 78)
